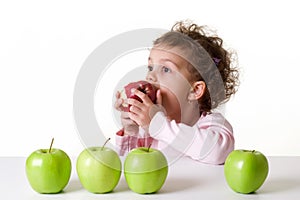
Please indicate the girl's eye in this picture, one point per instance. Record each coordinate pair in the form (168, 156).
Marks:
(166, 69)
(150, 68)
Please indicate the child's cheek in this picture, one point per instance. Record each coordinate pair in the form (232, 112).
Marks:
(169, 99)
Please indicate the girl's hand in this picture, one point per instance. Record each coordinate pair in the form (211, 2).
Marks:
(119, 101)
(130, 127)
(142, 113)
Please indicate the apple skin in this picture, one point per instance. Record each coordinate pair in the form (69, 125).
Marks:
(245, 171)
(48, 173)
(145, 172)
(99, 169)
(143, 86)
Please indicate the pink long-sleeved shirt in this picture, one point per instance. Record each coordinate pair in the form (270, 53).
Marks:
(209, 140)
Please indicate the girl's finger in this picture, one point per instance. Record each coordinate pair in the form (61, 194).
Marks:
(133, 117)
(134, 102)
(124, 115)
(118, 104)
(118, 94)
(135, 110)
(144, 97)
(158, 97)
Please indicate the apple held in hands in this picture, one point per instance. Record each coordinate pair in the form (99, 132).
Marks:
(99, 169)
(142, 86)
(245, 171)
(145, 170)
(48, 170)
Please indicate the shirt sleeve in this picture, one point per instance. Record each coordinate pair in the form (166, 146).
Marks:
(125, 143)
(210, 140)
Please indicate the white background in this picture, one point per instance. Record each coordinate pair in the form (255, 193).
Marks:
(43, 45)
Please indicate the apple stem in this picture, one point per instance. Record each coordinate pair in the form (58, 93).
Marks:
(105, 143)
(49, 151)
(253, 151)
(149, 147)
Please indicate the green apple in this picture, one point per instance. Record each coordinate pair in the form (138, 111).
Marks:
(145, 170)
(245, 171)
(99, 169)
(48, 170)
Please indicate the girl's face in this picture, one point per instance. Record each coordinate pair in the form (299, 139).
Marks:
(168, 71)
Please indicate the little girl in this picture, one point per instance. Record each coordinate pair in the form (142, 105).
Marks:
(193, 74)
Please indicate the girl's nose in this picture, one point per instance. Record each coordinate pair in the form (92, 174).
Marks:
(151, 77)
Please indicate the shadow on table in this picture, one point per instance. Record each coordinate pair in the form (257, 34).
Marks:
(178, 184)
(73, 185)
(280, 185)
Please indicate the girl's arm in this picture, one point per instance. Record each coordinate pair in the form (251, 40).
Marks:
(129, 136)
(210, 140)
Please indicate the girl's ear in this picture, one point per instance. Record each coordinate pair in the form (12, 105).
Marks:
(197, 90)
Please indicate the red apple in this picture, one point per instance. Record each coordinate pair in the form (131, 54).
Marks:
(142, 86)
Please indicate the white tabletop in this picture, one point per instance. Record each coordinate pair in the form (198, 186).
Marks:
(187, 179)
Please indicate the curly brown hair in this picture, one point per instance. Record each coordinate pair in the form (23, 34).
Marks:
(205, 57)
